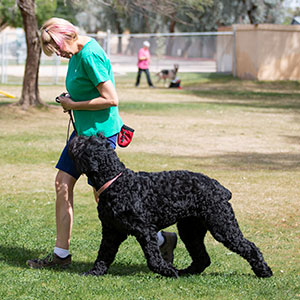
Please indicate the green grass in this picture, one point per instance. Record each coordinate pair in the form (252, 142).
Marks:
(252, 149)
(163, 108)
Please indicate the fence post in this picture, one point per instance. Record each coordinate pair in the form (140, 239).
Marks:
(108, 42)
(2, 59)
(57, 63)
(234, 52)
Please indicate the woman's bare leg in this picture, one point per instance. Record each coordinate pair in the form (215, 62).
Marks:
(64, 185)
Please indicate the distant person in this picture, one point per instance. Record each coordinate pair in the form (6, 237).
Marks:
(143, 64)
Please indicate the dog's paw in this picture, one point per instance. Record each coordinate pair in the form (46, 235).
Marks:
(194, 269)
(92, 272)
(170, 272)
(98, 269)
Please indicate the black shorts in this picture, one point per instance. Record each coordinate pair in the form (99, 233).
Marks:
(65, 162)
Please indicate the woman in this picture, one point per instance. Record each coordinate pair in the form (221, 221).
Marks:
(94, 102)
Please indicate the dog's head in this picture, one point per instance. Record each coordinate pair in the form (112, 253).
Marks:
(89, 153)
(176, 67)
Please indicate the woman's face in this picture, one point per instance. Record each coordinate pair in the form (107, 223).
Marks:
(67, 50)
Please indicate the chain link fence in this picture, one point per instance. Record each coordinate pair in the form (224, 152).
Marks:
(193, 52)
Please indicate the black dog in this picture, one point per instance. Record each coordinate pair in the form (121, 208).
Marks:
(141, 204)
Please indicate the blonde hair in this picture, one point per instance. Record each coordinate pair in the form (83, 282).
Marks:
(59, 31)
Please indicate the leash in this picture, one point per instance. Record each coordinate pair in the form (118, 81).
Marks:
(124, 137)
(71, 120)
(107, 184)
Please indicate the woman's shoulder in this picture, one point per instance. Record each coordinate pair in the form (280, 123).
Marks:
(93, 51)
(92, 47)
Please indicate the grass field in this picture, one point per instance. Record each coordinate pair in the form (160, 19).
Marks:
(244, 134)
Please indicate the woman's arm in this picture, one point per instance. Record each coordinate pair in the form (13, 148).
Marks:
(108, 99)
(142, 55)
(143, 58)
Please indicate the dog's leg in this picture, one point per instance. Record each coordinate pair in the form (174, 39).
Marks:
(192, 232)
(224, 227)
(165, 82)
(111, 240)
(148, 242)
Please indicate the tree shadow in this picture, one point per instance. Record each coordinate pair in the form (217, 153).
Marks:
(116, 269)
(249, 160)
(292, 139)
(229, 275)
(248, 99)
(269, 161)
(17, 256)
(6, 103)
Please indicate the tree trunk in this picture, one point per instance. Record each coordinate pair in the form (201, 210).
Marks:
(30, 92)
(171, 39)
(120, 31)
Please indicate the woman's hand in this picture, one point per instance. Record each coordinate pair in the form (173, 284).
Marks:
(66, 102)
(108, 98)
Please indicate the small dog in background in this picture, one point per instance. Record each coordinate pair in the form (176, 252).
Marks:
(167, 74)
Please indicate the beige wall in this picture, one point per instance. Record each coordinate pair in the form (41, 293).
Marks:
(224, 57)
(267, 52)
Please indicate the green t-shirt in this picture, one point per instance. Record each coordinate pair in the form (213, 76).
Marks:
(86, 70)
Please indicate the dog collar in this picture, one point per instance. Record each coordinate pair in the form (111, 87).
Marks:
(107, 184)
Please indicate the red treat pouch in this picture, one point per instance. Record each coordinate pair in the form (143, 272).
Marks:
(125, 136)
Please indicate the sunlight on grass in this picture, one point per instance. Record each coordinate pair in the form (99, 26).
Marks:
(244, 134)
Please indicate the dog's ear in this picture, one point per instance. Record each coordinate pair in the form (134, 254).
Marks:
(81, 150)
(82, 164)
(77, 146)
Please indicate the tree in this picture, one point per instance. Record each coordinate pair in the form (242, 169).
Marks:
(170, 11)
(30, 92)
(153, 16)
(263, 11)
(143, 15)
(68, 9)
(31, 15)
(9, 14)
(228, 12)
(149, 15)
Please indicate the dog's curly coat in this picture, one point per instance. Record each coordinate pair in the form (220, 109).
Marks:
(141, 204)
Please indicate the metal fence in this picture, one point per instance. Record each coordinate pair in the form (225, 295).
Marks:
(193, 52)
